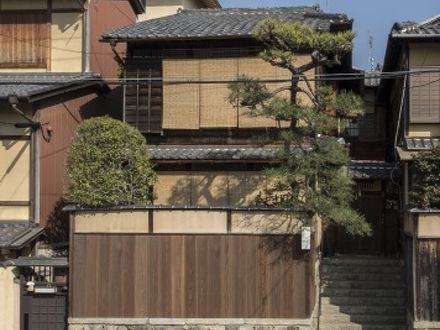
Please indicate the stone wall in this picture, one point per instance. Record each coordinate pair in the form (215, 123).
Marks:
(187, 324)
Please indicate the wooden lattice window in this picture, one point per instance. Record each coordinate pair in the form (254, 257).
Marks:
(143, 95)
(24, 39)
(425, 97)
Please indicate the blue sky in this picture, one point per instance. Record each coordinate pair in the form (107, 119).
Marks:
(375, 17)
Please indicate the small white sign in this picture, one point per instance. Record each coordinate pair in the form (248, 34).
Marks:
(305, 238)
(45, 289)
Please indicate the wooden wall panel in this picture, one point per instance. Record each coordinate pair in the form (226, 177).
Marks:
(188, 276)
(428, 279)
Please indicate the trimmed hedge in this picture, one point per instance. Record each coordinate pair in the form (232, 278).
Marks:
(108, 165)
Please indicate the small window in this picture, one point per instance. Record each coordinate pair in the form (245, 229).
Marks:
(350, 127)
(24, 40)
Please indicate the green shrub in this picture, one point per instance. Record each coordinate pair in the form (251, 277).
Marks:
(108, 165)
(426, 181)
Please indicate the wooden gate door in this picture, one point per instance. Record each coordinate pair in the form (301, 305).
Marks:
(371, 206)
(44, 311)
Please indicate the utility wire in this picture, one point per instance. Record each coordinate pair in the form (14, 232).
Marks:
(178, 81)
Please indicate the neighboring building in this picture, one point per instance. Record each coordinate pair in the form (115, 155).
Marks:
(413, 102)
(160, 8)
(49, 50)
(210, 172)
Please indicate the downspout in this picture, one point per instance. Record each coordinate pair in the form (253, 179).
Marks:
(86, 39)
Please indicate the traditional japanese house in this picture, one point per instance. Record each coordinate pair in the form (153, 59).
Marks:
(413, 100)
(189, 260)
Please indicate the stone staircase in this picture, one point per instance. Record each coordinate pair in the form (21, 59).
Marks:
(362, 292)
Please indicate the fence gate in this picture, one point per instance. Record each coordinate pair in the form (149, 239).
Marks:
(44, 311)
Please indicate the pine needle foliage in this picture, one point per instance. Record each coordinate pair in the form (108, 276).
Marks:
(311, 179)
(426, 189)
(108, 165)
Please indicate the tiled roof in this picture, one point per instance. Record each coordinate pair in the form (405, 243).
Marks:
(430, 27)
(211, 152)
(16, 234)
(421, 143)
(28, 85)
(372, 170)
(222, 23)
(357, 169)
(60, 262)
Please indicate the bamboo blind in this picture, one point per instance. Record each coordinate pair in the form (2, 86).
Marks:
(216, 110)
(209, 189)
(24, 39)
(181, 103)
(256, 67)
(193, 106)
(173, 188)
(425, 98)
(245, 187)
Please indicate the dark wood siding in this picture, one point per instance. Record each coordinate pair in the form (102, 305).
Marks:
(107, 16)
(61, 116)
(189, 276)
(428, 279)
(143, 97)
(24, 39)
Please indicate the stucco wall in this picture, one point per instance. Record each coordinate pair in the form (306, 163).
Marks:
(160, 8)
(209, 188)
(15, 158)
(9, 300)
(67, 42)
(424, 130)
(424, 54)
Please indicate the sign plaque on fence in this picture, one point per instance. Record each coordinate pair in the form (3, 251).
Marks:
(305, 238)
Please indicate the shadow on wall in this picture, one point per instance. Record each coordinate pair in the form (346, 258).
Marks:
(57, 226)
(105, 104)
(206, 189)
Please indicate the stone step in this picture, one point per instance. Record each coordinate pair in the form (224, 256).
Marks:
(362, 261)
(363, 301)
(330, 309)
(354, 326)
(345, 269)
(362, 276)
(367, 319)
(353, 284)
(382, 293)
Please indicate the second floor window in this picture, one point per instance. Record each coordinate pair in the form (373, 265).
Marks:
(24, 39)
(425, 96)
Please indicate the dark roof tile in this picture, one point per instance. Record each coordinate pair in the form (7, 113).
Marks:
(430, 27)
(188, 153)
(27, 85)
(16, 234)
(421, 143)
(221, 23)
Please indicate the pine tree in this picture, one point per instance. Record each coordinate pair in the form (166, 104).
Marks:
(311, 178)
